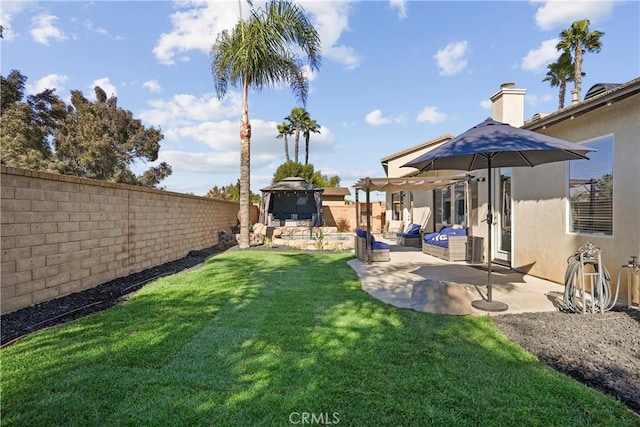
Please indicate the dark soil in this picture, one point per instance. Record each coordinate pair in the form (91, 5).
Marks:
(599, 350)
(64, 309)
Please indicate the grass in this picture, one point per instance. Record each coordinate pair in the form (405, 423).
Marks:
(274, 339)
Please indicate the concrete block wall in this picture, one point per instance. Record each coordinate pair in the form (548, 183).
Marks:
(63, 234)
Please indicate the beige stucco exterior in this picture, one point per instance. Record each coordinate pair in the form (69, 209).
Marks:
(540, 195)
(541, 240)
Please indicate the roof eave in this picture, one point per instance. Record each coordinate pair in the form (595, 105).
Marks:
(606, 98)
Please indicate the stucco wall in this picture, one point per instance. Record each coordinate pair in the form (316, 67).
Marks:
(541, 238)
(63, 234)
(333, 214)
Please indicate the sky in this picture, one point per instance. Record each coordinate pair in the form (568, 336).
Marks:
(394, 74)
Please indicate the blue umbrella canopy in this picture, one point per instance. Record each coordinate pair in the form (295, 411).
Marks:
(499, 145)
(493, 144)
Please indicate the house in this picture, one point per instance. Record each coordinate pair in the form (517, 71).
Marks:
(334, 196)
(544, 214)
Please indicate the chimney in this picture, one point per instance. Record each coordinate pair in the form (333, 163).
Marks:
(507, 105)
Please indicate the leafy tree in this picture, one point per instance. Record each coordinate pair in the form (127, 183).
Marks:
(230, 192)
(284, 132)
(95, 140)
(99, 140)
(559, 74)
(291, 169)
(578, 39)
(27, 127)
(258, 52)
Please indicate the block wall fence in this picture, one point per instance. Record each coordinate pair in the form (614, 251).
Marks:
(64, 234)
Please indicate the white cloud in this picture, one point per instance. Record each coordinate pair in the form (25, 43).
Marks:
(106, 85)
(560, 14)
(50, 81)
(152, 85)
(202, 162)
(8, 10)
(401, 5)
(486, 104)
(535, 100)
(194, 27)
(185, 109)
(375, 118)
(450, 59)
(43, 28)
(89, 26)
(431, 115)
(536, 60)
(331, 19)
(196, 24)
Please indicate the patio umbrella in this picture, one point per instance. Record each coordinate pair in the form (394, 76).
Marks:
(493, 144)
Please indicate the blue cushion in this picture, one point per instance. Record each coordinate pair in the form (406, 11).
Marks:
(408, 235)
(363, 233)
(412, 231)
(439, 239)
(429, 236)
(453, 231)
(379, 245)
(442, 238)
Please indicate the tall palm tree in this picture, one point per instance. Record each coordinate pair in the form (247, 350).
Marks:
(578, 39)
(561, 72)
(309, 127)
(296, 119)
(256, 53)
(284, 131)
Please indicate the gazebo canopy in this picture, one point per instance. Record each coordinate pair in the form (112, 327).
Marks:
(291, 184)
(292, 198)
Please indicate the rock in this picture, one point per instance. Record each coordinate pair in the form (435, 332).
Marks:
(432, 296)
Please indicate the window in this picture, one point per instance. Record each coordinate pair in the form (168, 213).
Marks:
(451, 205)
(460, 204)
(591, 190)
(396, 205)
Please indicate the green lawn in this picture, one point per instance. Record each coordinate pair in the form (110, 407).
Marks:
(271, 338)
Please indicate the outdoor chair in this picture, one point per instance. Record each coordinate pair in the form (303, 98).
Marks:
(391, 229)
(410, 237)
(379, 250)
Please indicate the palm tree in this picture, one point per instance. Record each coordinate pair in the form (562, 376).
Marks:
(559, 74)
(296, 119)
(309, 126)
(284, 131)
(258, 53)
(578, 38)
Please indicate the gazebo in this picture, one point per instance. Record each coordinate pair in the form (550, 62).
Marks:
(291, 202)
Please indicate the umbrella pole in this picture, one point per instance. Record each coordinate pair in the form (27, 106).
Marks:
(489, 304)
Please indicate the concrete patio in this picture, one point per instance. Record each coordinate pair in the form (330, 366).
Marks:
(415, 280)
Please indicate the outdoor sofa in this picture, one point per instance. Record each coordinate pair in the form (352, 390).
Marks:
(409, 237)
(379, 250)
(449, 244)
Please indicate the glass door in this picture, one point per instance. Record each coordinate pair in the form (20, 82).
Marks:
(502, 228)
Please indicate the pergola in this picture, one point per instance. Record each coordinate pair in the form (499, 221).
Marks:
(399, 184)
